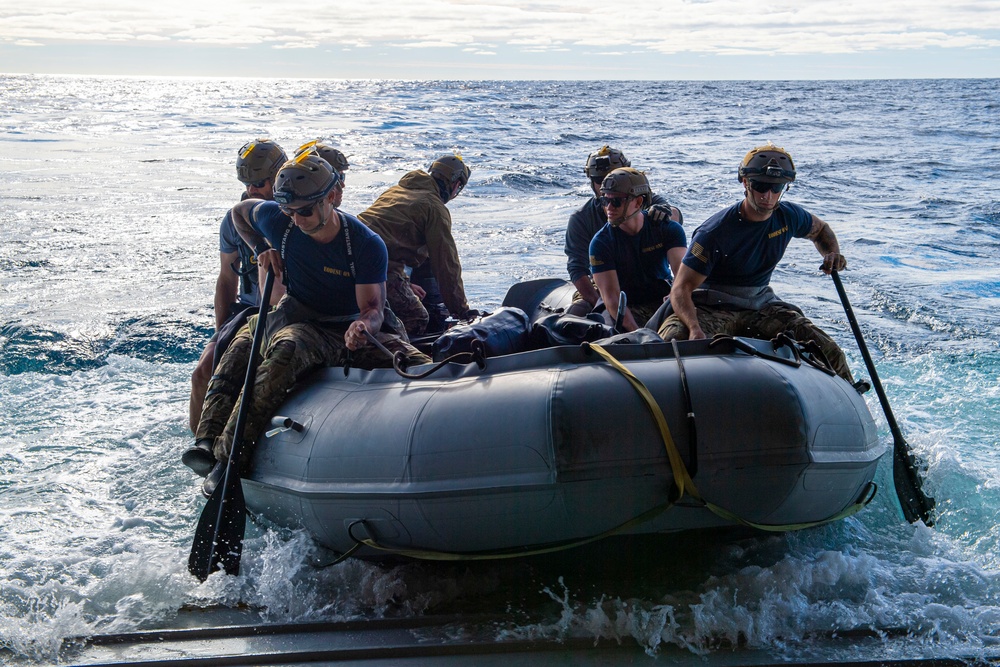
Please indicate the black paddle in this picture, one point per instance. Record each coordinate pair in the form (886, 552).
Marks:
(620, 315)
(917, 506)
(219, 536)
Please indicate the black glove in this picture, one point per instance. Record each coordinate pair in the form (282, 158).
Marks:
(660, 212)
(471, 314)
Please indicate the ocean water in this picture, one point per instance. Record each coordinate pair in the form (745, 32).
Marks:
(111, 190)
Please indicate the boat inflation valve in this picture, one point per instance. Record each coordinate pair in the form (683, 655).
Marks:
(282, 424)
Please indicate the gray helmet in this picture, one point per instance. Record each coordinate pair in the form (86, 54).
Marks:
(767, 164)
(306, 178)
(628, 181)
(599, 163)
(259, 160)
(450, 169)
(336, 159)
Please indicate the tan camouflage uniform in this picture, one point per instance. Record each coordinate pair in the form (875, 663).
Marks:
(415, 225)
(404, 303)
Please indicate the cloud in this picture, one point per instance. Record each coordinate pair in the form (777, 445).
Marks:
(658, 26)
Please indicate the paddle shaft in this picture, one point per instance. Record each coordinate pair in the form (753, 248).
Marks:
(620, 315)
(219, 536)
(916, 505)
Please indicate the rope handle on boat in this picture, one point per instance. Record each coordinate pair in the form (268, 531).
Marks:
(744, 346)
(400, 363)
(814, 356)
(425, 554)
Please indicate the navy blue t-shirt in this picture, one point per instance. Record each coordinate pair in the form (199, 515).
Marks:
(733, 251)
(319, 274)
(580, 232)
(641, 260)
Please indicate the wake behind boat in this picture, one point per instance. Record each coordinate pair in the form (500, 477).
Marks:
(554, 447)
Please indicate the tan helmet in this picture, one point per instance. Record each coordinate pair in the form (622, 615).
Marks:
(336, 159)
(767, 164)
(259, 160)
(306, 178)
(628, 181)
(599, 163)
(450, 169)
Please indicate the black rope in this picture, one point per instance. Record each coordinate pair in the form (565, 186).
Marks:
(689, 406)
(400, 362)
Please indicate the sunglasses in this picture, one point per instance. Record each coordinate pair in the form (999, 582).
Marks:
(757, 186)
(257, 184)
(303, 212)
(614, 202)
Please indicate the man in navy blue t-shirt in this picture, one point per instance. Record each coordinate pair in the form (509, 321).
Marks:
(335, 270)
(634, 253)
(722, 285)
(589, 220)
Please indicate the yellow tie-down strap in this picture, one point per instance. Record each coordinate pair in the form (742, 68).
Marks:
(423, 554)
(683, 480)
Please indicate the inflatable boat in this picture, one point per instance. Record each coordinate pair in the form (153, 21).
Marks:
(549, 448)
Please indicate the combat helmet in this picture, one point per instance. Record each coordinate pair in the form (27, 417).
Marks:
(599, 163)
(259, 160)
(628, 181)
(450, 169)
(767, 164)
(306, 178)
(336, 159)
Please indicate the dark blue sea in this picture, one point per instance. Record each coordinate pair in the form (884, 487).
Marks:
(111, 192)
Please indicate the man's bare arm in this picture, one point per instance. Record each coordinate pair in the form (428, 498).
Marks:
(822, 236)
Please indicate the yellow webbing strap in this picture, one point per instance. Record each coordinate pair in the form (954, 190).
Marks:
(681, 477)
(520, 553)
(683, 480)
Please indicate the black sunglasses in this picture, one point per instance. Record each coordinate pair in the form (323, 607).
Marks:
(758, 186)
(258, 184)
(614, 202)
(304, 212)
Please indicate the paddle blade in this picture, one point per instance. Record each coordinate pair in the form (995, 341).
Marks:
(917, 506)
(219, 537)
(906, 478)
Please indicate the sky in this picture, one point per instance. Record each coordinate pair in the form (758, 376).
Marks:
(504, 39)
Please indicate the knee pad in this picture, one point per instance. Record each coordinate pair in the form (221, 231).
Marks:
(220, 384)
(281, 352)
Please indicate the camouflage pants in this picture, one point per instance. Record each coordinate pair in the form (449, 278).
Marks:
(765, 324)
(292, 352)
(402, 300)
(641, 312)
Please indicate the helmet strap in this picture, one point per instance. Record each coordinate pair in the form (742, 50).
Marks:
(322, 222)
(619, 221)
(752, 202)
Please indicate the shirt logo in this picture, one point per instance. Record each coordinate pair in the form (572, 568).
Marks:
(778, 232)
(595, 262)
(698, 251)
(336, 272)
(653, 247)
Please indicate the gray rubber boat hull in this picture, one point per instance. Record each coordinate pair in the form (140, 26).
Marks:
(555, 446)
